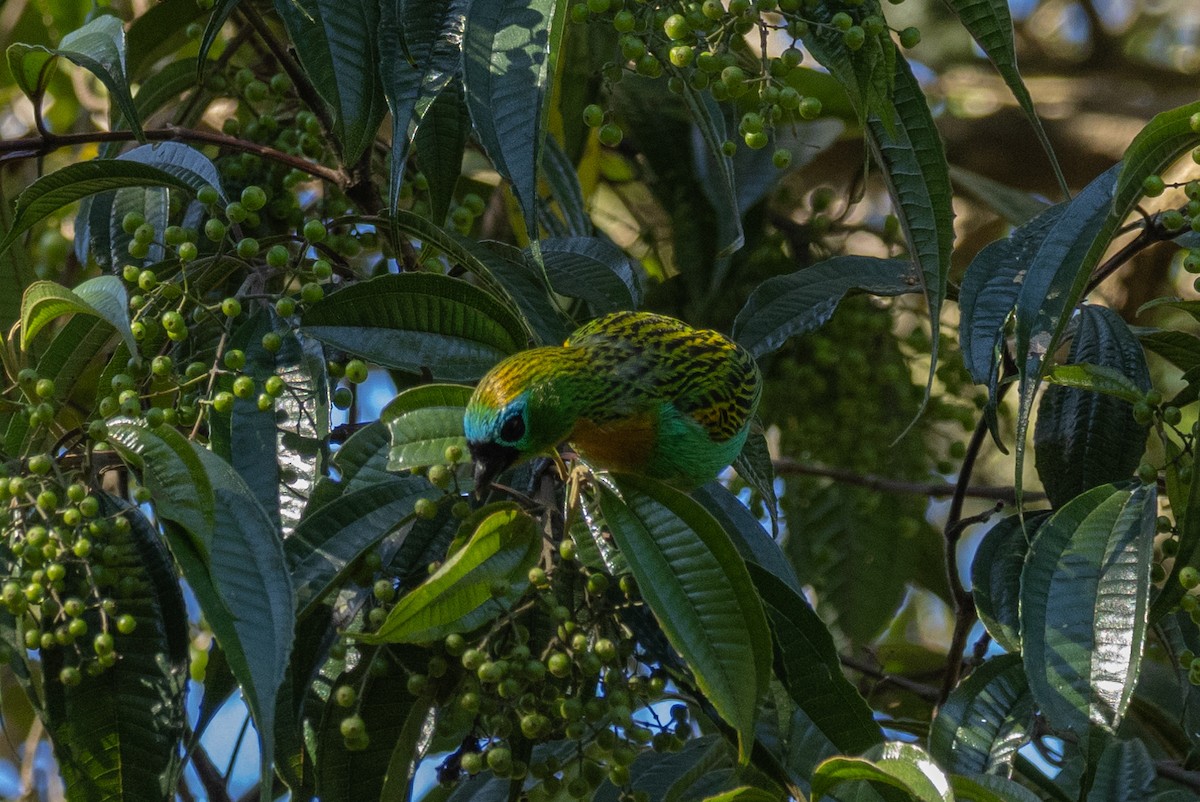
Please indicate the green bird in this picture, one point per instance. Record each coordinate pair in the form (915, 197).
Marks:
(630, 391)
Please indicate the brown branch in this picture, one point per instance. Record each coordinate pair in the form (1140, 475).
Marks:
(926, 692)
(41, 145)
(786, 467)
(210, 776)
(1169, 770)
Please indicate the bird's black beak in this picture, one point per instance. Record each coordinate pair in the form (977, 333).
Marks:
(491, 459)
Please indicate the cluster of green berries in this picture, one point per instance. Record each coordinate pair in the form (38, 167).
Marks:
(560, 663)
(65, 565)
(694, 43)
(1185, 218)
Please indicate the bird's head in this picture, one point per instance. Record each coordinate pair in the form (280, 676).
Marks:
(518, 410)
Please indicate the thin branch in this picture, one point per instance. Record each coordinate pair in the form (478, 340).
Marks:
(41, 145)
(926, 692)
(785, 467)
(1172, 771)
(210, 776)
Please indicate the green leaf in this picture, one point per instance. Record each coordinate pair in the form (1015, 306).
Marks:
(1085, 433)
(420, 48)
(990, 25)
(1125, 773)
(1097, 380)
(156, 34)
(423, 422)
(752, 541)
(182, 161)
(746, 793)
(985, 720)
(990, 788)
(720, 186)
(996, 575)
(328, 540)
(509, 52)
(459, 597)
(98, 47)
(1164, 139)
(118, 735)
(865, 74)
(907, 144)
(807, 664)
(1179, 348)
(337, 43)
(345, 775)
(593, 270)
(784, 306)
(1085, 594)
(231, 555)
(989, 293)
(561, 175)
(51, 192)
(151, 203)
(902, 766)
(524, 283)
(103, 297)
(31, 66)
(212, 29)
(1055, 277)
(440, 140)
(699, 589)
(418, 321)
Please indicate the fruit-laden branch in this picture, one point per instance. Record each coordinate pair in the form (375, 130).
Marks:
(785, 467)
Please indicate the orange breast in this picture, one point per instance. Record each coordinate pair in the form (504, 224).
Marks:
(621, 445)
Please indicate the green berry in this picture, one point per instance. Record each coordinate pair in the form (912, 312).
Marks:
(272, 342)
(254, 198)
(611, 134)
(243, 387)
(1189, 577)
(312, 292)
(214, 230)
(231, 307)
(356, 371)
(314, 231)
(247, 248)
(593, 116)
(187, 252)
(910, 37)
(278, 256)
(1153, 186)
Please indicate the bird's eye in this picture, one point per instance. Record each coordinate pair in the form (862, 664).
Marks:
(513, 428)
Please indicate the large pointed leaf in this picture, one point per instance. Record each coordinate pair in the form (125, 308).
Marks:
(440, 140)
(118, 735)
(748, 535)
(1085, 594)
(593, 270)
(983, 723)
(990, 24)
(231, 556)
(1084, 437)
(337, 44)
(1125, 773)
(990, 788)
(418, 321)
(460, 596)
(328, 540)
(907, 144)
(103, 297)
(808, 665)
(700, 591)
(784, 306)
(996, 575)
(420, 48)
(898, 765)
(423, 422)
(509, 53)
(76, 181)
(716, 168)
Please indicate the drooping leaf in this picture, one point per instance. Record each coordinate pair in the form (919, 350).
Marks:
(985, 720)
(905, 767)
(996, 575)
(754, 466)
(420, 48)
(700, 592)
(808, 665)
(1125, 773)
(328, 540)
(231, 555)
(593, 270)
(423, 422)
(990, 788)
(1085, 593)
(103, 297)
(118, 734)
(337, 42)
(907, 144)
(509, 52)
(1014, 205)
(748, 535)
(1086, 434)
(1179, 348)
(719, 185)
(990, 24)
(418, 321)
(785, 306)
(440, 140)
(459, 596)
(76, 181)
